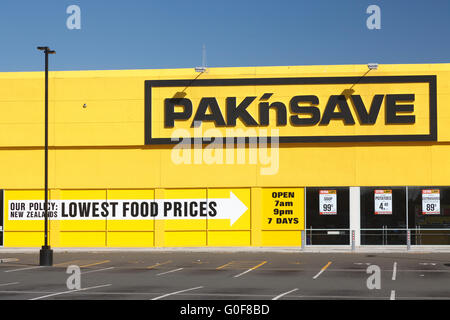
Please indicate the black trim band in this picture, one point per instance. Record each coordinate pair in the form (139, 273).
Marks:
(430, 79)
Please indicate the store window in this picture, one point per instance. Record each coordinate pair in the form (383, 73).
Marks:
(327, 216)
(383, 215)
(429, 215)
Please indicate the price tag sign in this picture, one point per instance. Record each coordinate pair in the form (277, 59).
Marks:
(383, 201)
(327, 202)
(431, 202)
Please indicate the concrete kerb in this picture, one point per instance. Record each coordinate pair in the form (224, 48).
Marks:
(308, 249)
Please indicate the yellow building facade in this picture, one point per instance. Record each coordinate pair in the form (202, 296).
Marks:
(122, 137)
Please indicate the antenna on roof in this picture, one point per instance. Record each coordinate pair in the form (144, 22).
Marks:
(203, 67)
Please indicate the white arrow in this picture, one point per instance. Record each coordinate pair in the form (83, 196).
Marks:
(232, 208)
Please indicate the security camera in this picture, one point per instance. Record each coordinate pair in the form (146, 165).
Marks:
(372, 66)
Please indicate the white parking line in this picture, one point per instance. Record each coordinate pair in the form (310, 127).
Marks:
(251, 269)
(97, 270)
(394, 272)
(176, 292)
(392, 295)
(70, 291)
(242, 273)
(8, 284)
(160, 274)
(283, 294)
(22, 269)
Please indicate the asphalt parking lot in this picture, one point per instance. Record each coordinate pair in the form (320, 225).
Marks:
(226, 276)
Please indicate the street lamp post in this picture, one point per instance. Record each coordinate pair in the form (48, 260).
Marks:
(46, 253)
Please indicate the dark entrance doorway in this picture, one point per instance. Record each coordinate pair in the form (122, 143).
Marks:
(429, 215)
(328, 216)
(383, 216)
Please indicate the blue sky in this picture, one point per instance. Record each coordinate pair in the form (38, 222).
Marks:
(145, 34)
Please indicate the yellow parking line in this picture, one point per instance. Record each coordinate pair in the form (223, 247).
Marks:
(326, 266)
(94, 264)
(259, 265)
(63, 263)
(158, 264)
(251, 269)
(221, 267)
(242, 264)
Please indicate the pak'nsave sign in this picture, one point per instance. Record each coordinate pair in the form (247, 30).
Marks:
(316, 109)
(230, 209)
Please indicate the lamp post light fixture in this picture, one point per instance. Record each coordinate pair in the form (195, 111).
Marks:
(46, 253)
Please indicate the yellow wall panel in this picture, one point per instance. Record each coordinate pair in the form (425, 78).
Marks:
(229, 173)
(130, 239)
(23, 169)
(23, 239)
(439, 163)
(90, 111)
(185, 238)
(310, 165)
(229, 238)
(443, 112)
(20, 86)
(54, 232)
(159, 224)
(13, 136)
(82, 239)
(55, 224)
(112, 168)
(95, 88)
(281, 238)
(99, 134)
(23, 98)
(393, 165)
(256, 218)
